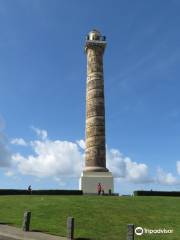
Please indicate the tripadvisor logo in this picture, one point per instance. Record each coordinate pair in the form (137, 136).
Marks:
(140, 231)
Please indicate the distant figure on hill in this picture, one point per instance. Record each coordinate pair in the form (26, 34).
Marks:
(99, 188)
(102, 189)
(29, 189)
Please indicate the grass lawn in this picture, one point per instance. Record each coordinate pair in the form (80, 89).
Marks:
(96, 217)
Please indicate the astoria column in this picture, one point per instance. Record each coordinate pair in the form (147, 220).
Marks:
(95, 170)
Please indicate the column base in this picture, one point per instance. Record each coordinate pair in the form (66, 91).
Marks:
(89, 180)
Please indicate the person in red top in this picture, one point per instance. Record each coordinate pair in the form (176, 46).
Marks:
(99, 188)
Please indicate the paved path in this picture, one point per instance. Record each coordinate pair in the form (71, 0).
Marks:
(6, 238)
(11, 233)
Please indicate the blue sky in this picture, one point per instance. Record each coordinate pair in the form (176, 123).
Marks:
(43, 83)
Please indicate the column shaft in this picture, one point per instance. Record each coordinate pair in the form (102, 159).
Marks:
(95, 155)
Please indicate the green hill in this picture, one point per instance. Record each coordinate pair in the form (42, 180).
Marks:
(96, 217)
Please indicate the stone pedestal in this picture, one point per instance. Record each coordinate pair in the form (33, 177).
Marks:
(89, 180)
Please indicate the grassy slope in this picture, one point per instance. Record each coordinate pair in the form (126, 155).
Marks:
(95, 217)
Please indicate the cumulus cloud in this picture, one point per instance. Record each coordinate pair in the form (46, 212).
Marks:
(59, 159)
(123, 167)
(63, 158)
(19, 141)
(81, 143)
(50, 158)
(166, 178)
(41, 133)
(178, 167)
(9, 173)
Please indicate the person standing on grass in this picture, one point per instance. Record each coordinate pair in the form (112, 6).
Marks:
(99, 188)
(102, 189)
(29, 189)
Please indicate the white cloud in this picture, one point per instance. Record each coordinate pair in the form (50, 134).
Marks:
(81, 143)
(137, 172)
(19, 141)
(51, 158)
(41, 133)
(59, 159)
(166, 178)
(62, 158)
(116, 163)
(178, 167)
(124, 167)
(9, 173)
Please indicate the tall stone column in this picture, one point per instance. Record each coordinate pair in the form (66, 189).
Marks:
(95, 154)
(95, 170)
